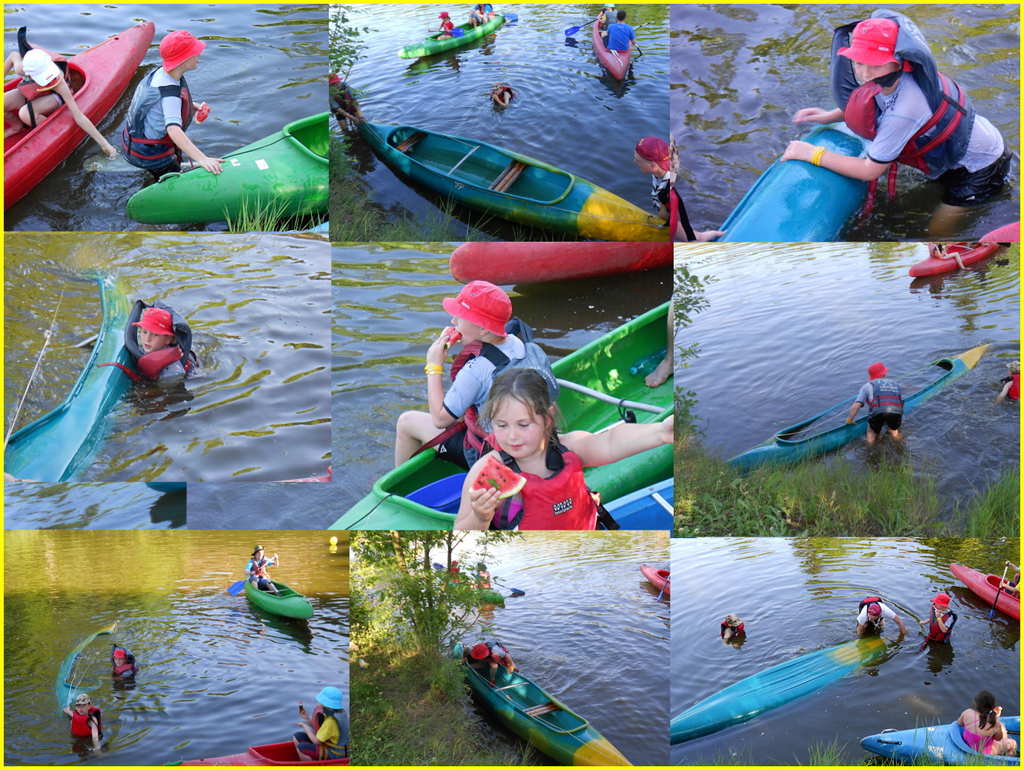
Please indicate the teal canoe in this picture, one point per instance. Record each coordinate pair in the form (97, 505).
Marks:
(433, 45)
(62, 442)
(285, 173)
(286, 602)
(510, 185)
(603, 365)
(937, 745)
(801, 441)
(66, 687)
(798, 201)
(540, 719)
(774, 687)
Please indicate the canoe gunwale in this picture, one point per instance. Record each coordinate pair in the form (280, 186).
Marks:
(289, 128)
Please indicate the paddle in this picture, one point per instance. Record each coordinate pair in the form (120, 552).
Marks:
(611, 399)
(573, 30)
(662, 591)
(510, 17)
(236, 588)
(992, 612)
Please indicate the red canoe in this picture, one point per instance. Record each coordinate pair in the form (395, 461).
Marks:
(986, 586)
(1005, 234)
(517, 262)
(969, 254)
(263, 756)
(98, 77)
(659, 578)
(616, 62)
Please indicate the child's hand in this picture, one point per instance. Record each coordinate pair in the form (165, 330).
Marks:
(438, 348)
(811, 115)
(798, 150)
(109, 150)
(484, 502)
(210, 164)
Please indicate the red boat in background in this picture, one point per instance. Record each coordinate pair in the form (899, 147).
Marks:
(616, 62)
(512, 262)
(969, 254)
(659, 578)
(986, 587)
(264, 756)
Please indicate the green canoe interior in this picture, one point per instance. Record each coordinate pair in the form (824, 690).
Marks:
(285, 601)
(481, 165)
(312, 133)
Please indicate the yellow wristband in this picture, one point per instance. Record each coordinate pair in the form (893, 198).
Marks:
(816, 155)
(433, 369)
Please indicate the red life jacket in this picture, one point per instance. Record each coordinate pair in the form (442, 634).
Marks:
(562, 501)
(31, 90)
(871, 600)
(936, 634)
(737, 630)
(150, 365)
(1014, 391)
(80, 722)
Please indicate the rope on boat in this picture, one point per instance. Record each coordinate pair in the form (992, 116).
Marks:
(39, 359)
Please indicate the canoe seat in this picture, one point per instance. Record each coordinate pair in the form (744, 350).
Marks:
(409, 143)
(508, 686)
(508, 177)
(544, 708)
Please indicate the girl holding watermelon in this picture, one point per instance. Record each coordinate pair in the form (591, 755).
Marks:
(533, 479)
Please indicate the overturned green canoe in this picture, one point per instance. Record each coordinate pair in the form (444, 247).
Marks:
(284, 174)
(513, 186)
(540, 719)
(433, 45)
(62, 442)
(286, 602)
(68, 685)
(796, 443)
(615, 365)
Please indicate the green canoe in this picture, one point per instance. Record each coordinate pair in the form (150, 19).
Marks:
(432, 45)
(797, 442)
(285, 173)
(62, 442)
(286, 603)
(510, 185)
(603, 365)
(540, 719)
(67, 685)
(490, 596)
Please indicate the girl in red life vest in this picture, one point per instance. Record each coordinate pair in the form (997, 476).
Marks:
(446, 26)
(85, 720)
(940, 620)
(522, 418)
(1011, 384)
(42, 91)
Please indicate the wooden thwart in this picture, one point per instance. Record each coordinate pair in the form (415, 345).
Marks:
(508, 176)
(410, 142)
(544, 708)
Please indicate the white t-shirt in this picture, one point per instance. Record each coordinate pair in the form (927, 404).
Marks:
(862, 616)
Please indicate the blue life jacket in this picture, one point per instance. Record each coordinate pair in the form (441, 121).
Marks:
(886, 397)
(153, 152)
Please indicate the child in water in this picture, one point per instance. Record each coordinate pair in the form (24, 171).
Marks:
(159, 342)
(502, 94)
(884, 400)
(523, 417)
(983, 731)
(1011, 384)
(86, 721)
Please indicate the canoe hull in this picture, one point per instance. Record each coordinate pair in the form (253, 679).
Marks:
(432, 46)
(520, 263)
(1005, 234)
(289, 604)
(940, 745)
(63, 688)
(286, 172)
(107, 69)
(798, 201)
(647, 508)
(616, 62)
(986, 587)
(603, 365)
(967, 255)
(659, 578)
(263, 756)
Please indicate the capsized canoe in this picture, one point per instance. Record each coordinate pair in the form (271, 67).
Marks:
(263, 756)
(66, 687)
(540, 719)
(1005, 234)
(510, 185)
(616, 62)
(986, 587)
(659, 578)
(166, 487)
(433, 45)
(647, 508)
(774, 687)
(789, 447)
(62, 442)
(514, 262)
(968, 255)
(798, 201)
(285, 173)
(938, 745)
(603, 365)
(287, 603)
(98, 77)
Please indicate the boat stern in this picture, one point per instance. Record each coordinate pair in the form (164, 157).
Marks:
(600, 752)
(607, 217)
(971, 357)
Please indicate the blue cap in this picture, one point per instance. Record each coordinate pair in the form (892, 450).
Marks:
(331, 698)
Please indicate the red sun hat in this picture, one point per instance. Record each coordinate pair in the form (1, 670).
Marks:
(178, 46)
(480, 651)
(156, 320)
(119, 653)
(941, 599)
(877, 370)
(873, 42)
(654, 149)
(482, 303)
(443, 15)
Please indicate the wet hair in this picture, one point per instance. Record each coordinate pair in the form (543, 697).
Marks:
(1014, 367)
(528, 387)
(984, 704)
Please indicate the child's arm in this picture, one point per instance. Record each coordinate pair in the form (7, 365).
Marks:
(177, 135)
(67, 710)
(477, 507)
(1004, 392)
(863, 169)
(435, 388)
(83, 122)
(12, 63)
(624, 440)
(854, 408)
(817, 115)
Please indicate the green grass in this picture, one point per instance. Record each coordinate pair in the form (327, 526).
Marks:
(996, 512)
(267, 217)
(825, 754)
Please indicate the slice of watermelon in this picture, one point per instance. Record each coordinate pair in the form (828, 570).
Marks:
(494, 474)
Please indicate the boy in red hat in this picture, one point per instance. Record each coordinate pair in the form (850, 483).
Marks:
(889, 91)
(492, 340)
(884, 399)
(653, 156)
(489, 655)
(940, 620)
(162, 110)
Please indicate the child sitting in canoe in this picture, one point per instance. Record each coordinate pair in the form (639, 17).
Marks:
(523, 417)
(1011, 586)
(488, 656)
(884, 399)
(983, 731)
(446, 26)
(86, 721)
(159, 342)
(481, 14)
(940, 620)
(324, 734)
(871, 617)
(42, 90)
(162, 110)
(890, 91)
(653, 156)
(258, 569)
(1011, 384)
(492, 340)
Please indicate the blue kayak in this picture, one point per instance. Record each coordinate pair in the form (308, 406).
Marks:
(798, 201)
(62, 442)
(941, 744)
(774, 687)
(647, 508)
